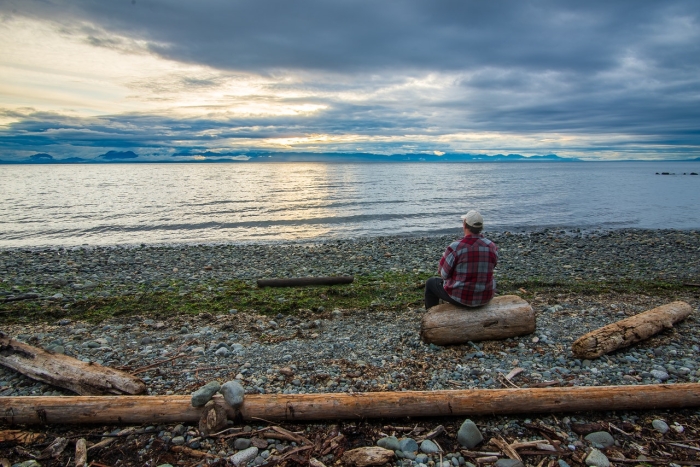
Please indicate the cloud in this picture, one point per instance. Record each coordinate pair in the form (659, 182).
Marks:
(594, 79)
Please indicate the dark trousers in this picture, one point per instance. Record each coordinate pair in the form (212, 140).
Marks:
(434, 292)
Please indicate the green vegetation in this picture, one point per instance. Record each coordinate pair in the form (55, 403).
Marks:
(391, 291)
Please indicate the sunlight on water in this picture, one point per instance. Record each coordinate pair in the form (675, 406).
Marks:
(194, 203)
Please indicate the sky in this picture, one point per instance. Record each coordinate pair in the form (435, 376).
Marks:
(174, 79)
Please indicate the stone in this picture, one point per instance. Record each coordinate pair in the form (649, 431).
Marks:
(469, 435)
(660, 375)
(600, 439)
(408, 445)
(244, 456)
(429, 447)
(233, 393)
(178, 440)
(508, 463)
(204, 394)
(241, 443)
(222, 352)
(390, 442)
(660, 426)
(597, 459)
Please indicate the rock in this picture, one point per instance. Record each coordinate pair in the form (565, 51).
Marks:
(429, 447)
(222, 352)
(408, 445)
(600, 439)
(366, 456)
(660, 375)
(597, 459)
(469, 435)
(241, 443)
(562, 463)
(233, 393)
(660, 426)
(390, 442)
(178, 440)
(508, 463)
(204, 394)
(244, 456)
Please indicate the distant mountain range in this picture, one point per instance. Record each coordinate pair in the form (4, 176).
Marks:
(204, 157)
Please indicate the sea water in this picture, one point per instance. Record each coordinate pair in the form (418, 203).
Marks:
(110, 204)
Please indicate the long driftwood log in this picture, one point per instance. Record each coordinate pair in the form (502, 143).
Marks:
(289, 407)
(66, 372)
(630, 330)
(503, 317)
(304, 281)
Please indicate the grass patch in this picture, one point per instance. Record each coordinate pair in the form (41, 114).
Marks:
(390, 291)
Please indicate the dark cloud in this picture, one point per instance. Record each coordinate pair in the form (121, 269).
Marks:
(594, 68)
(365, 35)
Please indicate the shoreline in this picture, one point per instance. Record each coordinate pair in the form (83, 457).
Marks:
(526, 231)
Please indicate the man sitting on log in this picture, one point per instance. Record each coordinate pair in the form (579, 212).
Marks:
(466, 268)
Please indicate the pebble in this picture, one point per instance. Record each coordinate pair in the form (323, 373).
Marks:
(241, 443)
(408, 445)
(660, 426)
(469, 435)
(204, 394)
(389, 442)
(508, 463)
(597, 459)
(600, 439)
(233, 393)
(244, 456)
(428, 447)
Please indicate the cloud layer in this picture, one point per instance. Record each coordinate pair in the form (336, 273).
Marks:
(596, 80)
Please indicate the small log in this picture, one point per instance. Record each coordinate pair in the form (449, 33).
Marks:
(630, 330)
(305, 281)
(66, 372)
(301, 407)
(503, 317)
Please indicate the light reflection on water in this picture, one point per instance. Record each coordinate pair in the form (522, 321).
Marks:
(193, 203)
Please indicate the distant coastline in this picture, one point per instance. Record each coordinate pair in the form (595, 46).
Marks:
(208, 157)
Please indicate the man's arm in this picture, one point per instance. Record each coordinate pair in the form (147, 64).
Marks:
(447, 263)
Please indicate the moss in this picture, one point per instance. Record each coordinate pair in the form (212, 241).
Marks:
(389, 291)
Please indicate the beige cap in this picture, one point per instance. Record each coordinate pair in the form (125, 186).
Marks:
(473, 219)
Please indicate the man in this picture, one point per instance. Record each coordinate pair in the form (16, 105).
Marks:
(466, 268)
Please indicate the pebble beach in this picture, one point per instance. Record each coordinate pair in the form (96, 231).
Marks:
(357, 350)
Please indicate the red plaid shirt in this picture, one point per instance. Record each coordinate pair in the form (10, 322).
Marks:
(467, 270)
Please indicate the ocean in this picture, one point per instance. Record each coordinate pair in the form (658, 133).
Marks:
(125, 204)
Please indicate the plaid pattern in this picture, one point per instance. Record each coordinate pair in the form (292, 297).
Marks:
(467, 269)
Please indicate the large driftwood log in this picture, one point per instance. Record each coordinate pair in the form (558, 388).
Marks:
(66, 372)
(299, 407)
(630, 330)
(502, 317)
(304, 281)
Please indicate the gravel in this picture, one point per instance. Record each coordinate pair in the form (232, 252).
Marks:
(352, 350)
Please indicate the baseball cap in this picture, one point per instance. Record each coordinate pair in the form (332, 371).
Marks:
(473, 218)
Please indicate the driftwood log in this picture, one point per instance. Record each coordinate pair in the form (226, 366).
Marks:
(299, 407)
(503, 317)
(630, 330)
(66, 372)
(304, 281)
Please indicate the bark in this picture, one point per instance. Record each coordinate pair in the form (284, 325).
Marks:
(364, 457)
(66, 372)
(503, 317)
(301, 407)
(629, 331)
(304, 281)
